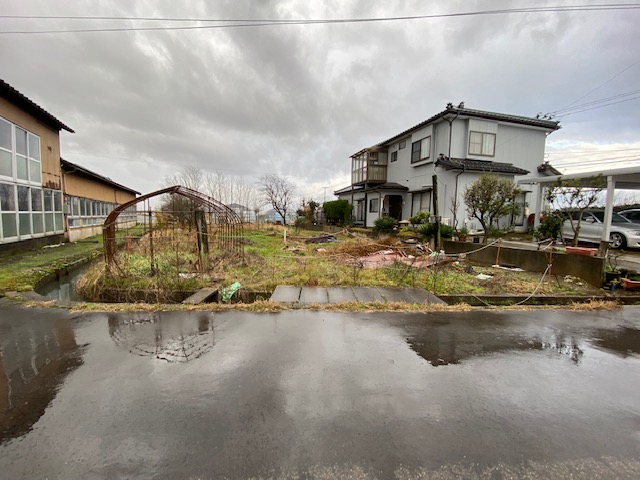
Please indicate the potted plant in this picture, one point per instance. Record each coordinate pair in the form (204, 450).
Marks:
(463, 234)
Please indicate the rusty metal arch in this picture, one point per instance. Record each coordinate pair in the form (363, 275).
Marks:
(232, 225)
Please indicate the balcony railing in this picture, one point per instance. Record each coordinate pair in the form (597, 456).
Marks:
(369, 174)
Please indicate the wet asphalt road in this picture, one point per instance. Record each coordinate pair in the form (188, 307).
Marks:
(303, 394)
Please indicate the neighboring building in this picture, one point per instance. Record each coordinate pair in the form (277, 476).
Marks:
(245, 213)
(272, 216)
(89, 198)
(33, 178)
(30, 175)
(458, 144)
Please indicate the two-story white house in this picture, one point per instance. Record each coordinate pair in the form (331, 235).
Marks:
(395, 177)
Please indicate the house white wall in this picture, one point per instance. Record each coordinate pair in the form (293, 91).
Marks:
(520, 145)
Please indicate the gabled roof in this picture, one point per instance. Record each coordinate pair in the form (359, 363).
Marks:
(19, 100)
(479, 166)
(471, 113)
(69, 167)
(547, 169)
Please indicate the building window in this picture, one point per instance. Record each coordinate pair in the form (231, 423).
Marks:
(394, 156)
(420, 201)
(83, 212)
(483, 144)
(420, 150)
(402, 144)
(21, 205)
(374, 205)
(19, 154)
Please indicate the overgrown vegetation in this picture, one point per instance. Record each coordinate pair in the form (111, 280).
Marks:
(337, 212)
(384, 224)
(550, 226)
(270, 262)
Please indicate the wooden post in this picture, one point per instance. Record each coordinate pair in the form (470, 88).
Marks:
(436, 213)
(203, 242)
(550, 263)
(153, 267)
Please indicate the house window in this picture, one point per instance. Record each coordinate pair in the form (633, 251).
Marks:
(402, 144)
(420, 150)
(483, 144)
(420, 201)
(394, 156)
(374, 205)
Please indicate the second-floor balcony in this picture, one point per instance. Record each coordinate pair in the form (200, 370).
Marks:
(369, 167)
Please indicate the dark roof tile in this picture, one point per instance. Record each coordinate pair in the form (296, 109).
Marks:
(479, 166)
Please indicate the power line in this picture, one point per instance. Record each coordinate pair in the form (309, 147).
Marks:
(595, 102)
(583, 153)
(603, 84)
(244, 23)
(599, 106)
(594, 161)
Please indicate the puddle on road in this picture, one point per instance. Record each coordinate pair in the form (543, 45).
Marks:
(442, 344)
(34, 362)
(170, 336)
(624, 341)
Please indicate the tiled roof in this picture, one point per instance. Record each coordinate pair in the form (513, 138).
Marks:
(469, 112)
(479, 166)
(388, 186)
(547, 169)
(14, 96)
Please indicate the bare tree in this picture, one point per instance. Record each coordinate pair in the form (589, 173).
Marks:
(278, 192)
(176, 206)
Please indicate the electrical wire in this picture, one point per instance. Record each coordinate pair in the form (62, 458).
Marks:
(243, 23)
(599, 106)
(595, 102)
(603, 84)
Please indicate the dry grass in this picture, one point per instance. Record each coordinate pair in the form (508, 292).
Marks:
(592, 305)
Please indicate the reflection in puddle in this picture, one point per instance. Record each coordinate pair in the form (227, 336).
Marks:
(170, 336)
(34, 361)
(623, 341)
(441, 345)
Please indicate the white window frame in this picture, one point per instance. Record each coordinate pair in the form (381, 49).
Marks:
(374, 205)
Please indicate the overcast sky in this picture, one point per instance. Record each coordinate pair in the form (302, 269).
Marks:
(298, 100)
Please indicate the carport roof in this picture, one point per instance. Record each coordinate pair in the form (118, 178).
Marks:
(627, 178)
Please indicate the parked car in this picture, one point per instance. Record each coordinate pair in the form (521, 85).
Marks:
(632, 214)
(623, 233)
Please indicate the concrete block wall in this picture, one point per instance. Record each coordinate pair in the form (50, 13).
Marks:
(590, 269)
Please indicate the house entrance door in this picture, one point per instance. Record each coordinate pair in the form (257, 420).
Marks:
(395, 206)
